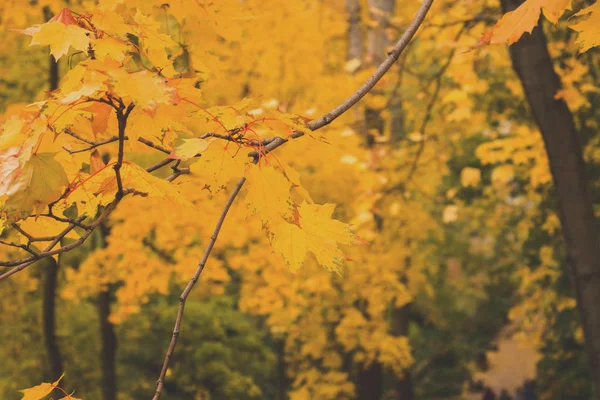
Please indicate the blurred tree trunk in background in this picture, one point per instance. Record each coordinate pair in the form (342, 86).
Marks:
(355, 39)
(403, 386)
(51, 271)
(49, 319)
(533, 65)
(108, 348)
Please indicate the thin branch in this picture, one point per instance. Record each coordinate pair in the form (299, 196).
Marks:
(69, 132)
(381, 70)
(26, 247)
(122, 124)
(186, 292)
(152, 145)
(160, 164)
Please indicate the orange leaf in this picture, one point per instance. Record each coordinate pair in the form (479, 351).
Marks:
(40, 391)
(515, 23)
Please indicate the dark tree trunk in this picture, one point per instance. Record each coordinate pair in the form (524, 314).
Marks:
(533, 65)
(369, 383)
(55, 364)
(403, 386)
(108, 349)
(53, 74)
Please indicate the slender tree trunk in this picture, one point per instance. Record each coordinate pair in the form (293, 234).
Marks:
(55, 364)
(109, 348)
(355, 38)
(283, 382)
(379, 42)
(53, 75)
(400, 321)
(533, 65)
(369, 385)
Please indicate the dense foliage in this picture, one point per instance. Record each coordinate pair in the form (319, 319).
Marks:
(390, 252)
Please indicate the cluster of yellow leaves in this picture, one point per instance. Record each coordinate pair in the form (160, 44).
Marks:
(152, 241)
(523, 149)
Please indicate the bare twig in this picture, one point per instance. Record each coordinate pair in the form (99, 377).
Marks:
(186, 292)
(160, 164)
(122, 116)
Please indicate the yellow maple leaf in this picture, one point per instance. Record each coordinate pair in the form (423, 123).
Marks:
(44, 227)
(110, 47)
(589, 28)
(290, 241)
(323, 234)
(40, 181)
(219, 164)
(515, 23)
(189, 148)
(40, 391)
(101, 188)
(268, 192)
(60, 37)
(110, 21)
(143, 88)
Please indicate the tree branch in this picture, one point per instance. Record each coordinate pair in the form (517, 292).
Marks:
(186, 292)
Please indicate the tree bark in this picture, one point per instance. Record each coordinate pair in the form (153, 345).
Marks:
(49, 320)
(534, 67)
(55, 363)
(400, 321)
(109, 347)
(380, 11)
(355, 38)
(369, 385)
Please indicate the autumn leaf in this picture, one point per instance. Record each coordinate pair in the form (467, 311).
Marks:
(515, 23)
(323, 234)
(268, 192)
(96, 163)
(101, 188)
(219, 164)
(316, 232)
(142, 88)
(588, 27)
(40, 181)
(290, 241)
(60, 37)
(189, 148)
(40, 391)
(110, 47)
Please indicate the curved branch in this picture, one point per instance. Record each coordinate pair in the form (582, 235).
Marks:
(379, 73)
(190, 286)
